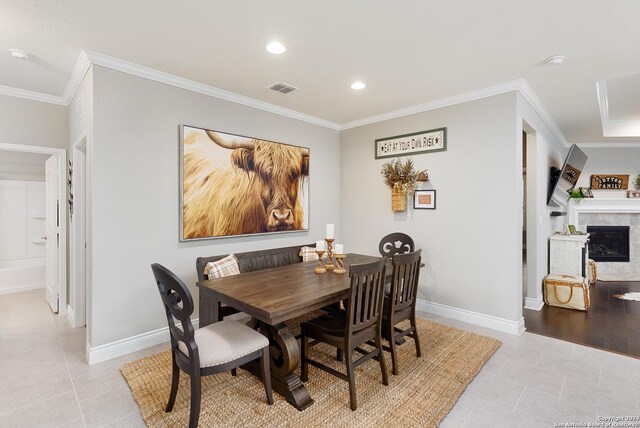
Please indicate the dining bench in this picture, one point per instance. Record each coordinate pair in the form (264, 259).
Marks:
(252, 261)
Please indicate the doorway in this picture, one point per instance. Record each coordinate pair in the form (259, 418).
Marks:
(57, 289)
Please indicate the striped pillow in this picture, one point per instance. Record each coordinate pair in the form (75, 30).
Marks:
(224, 267)
(309, 254)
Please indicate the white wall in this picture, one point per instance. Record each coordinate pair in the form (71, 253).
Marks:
(617, 160)
(470, 242)
(135, 195)
(548, 152)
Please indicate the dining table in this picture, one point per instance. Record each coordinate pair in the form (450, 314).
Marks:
(273, 297)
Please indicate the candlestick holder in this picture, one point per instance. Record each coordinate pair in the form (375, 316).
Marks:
(329, 264)
(340, 264)
(320, 268)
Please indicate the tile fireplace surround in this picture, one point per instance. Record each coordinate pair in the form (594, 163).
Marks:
(612, 212)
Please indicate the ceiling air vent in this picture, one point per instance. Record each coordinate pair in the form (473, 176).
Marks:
(283, 88)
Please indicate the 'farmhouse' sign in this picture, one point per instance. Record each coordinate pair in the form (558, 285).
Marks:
(434, 140)
(609, 181)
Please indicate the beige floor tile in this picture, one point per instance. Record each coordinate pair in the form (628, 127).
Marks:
(535, 377)
(134, 420)
(504, 392)
(550, 409)
(76, 423)
(30, 389)
(490, 415)
(52, 412)
(97, 382)
(615, 400)
(109, 407)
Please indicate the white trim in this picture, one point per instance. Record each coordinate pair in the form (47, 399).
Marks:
(535, 304)
(71, 316)
(605, 145)
(19, 288)
(611, 127)
(61, 155)
(190, 85)
(31, 95)
(75, 80)
(130, 344)
(495, 323)
(603, 205)
(78, 269)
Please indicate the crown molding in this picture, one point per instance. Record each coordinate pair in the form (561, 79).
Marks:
(74, 82)
(433, 105)
(190, 85)
(608, 145)
(527, 92)
(611, 127)
(31, 95)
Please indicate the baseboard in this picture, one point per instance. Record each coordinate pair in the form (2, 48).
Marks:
(125, 346)
(535, 304)
(494, 323)
(19, 288)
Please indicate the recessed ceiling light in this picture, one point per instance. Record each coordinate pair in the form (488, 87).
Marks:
(19, 54)
(555, 59)
(358, 85)
(276, 48)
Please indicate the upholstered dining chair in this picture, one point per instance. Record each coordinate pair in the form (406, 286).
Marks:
(216, 348)
(348, 329)
(400, 304)
(395, 243)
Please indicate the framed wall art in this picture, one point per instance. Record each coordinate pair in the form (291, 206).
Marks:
(433, 140)
(231, 185)
(424, 199)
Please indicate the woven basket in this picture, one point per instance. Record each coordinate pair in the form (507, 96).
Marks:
(398, 200)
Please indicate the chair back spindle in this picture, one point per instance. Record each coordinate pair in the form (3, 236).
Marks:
(404, 284)
(366, 295)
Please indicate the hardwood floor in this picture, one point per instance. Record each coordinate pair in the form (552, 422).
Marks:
(611, 324)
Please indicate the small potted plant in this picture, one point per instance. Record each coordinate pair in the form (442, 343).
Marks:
(400, 177)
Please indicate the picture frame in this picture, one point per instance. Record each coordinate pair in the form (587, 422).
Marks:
(232, 185)
(424, 199)
(586, 192)
(430, 141)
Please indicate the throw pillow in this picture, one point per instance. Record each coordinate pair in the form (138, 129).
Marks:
(309, 254)
(224, 267)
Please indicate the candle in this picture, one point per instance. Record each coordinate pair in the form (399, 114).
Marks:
(319, 245)
(339, 249)
(330, 231)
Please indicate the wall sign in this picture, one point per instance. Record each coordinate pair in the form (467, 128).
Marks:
(609, 181)
(433, 140)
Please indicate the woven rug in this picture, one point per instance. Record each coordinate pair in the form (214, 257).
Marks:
(420, 396)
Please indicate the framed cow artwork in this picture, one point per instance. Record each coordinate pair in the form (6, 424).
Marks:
(231, 185)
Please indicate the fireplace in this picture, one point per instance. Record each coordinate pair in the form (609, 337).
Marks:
(609, 243)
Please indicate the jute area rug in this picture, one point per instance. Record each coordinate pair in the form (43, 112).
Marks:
(420, 396)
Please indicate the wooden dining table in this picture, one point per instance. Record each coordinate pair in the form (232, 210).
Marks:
(273, 297)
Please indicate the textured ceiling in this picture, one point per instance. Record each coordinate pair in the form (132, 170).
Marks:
(410, 52)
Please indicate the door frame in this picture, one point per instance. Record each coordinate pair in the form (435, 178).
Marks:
(78, 282)
(61, 157)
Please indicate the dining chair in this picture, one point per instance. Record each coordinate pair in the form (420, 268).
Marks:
(216, 348)
(348, 329)
(395, 243)
(400, 304)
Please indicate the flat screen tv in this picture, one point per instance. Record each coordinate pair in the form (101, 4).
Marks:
(562, 181)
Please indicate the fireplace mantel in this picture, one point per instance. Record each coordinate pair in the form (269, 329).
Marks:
(602, 205)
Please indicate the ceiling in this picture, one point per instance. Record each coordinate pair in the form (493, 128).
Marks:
(408, 53)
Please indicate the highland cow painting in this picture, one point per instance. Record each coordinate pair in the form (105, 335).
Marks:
(233, 185)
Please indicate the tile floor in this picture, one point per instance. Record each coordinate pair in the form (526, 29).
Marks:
(531, 380)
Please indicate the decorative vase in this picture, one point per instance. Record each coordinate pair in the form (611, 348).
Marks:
(398, 200)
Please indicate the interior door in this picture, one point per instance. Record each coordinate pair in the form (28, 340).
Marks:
(52, 224)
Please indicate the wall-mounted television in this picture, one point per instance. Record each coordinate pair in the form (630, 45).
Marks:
(562, 181)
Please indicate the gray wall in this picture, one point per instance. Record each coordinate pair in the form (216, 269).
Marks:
(470, 241)
(135, 195)
(32, 123)
(611, 161)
